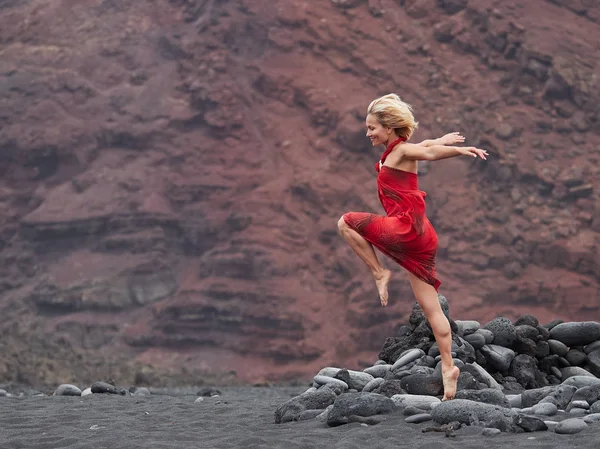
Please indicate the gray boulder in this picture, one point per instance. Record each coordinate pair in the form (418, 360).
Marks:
(576, 333)
(570, 426)
(503, 330)
(469, 412)
(487, 396)
(292, 409)
(358, 404)
(498, 356)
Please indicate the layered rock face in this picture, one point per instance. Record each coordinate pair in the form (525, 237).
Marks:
(171, 175)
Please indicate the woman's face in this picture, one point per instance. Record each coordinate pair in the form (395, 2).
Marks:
(376, 131)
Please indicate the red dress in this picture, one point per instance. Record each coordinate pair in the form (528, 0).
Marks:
(405, 234)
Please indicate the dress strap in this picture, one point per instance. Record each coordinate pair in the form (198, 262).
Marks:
(387, 151)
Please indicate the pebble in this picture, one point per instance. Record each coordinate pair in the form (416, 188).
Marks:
(67, 390)
(87, 392)
(490, 432)
(419, 418)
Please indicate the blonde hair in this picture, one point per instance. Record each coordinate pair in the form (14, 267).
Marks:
(391, 112)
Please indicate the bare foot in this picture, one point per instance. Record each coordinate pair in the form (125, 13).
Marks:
(450, 380)
(382, 280)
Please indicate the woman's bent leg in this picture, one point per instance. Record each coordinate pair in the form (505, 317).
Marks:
(366, 252)
(427, 298)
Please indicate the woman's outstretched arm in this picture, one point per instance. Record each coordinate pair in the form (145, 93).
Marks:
(438, 152)
(448, 139)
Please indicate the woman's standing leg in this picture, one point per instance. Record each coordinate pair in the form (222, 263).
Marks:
(366, 252)
(427, 298)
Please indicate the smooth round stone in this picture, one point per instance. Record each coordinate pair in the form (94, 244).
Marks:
(578, 411)
(487, 376)
(103, 387)
(87, 392)
(594, 361)
(576, 333)
(490, 432)
(199, 399)
(467, 327)
(378, 370)
(576, 357)
(142, 391)
(375, 383)
(593, 418)
(582, 381)
(487, 334)
(592, 347)
(3, 393)
(380, 362)
(570, 426)
(325, 380)
(544, 409)
(329, 371)
(556, 372)
(476, 340)
(410, 356)
(416, 419)
(558, 347)
(580, 404)
(67, 390)
(573, 371)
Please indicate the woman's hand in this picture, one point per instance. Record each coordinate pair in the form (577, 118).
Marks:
(472, 151)
(451, 139)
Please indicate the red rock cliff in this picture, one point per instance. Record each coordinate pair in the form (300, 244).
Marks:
(172, 174)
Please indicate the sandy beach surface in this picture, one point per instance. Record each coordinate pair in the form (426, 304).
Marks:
(242, 417)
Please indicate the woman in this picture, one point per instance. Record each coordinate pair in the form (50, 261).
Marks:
(405, 234)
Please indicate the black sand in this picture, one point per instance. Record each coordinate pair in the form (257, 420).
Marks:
(240, 418)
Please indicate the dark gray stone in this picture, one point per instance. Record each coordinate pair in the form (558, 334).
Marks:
(469, 412)
(558, 347)
(594, 362)
(523, 368)
(390, 387)
(577, 358)
(487, 396)
(576, 333)
(358, 404)
(313, 400)
(476, 340)
(498, 357)
(530, 423)
(592, 347)
(378, 370)
(487, 334)
(407, 358)
(503, 330)
(422, 384)
(531, 397)
(527, 320)
(589, 394)
(561, 396)
(103, 387)
(526, 331)
(542, 349)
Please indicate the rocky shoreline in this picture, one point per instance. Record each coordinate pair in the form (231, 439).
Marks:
(514, 377)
